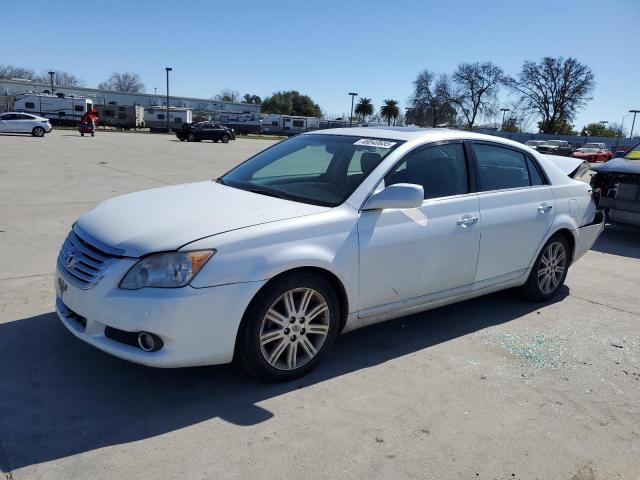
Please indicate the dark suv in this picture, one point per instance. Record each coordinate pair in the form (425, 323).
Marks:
(198, 131)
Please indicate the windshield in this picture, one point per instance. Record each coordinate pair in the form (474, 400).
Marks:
(555, 143)
(634, 153)
(534, 142)
(317, 169)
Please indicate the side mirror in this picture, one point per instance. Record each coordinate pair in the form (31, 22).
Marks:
(400, 195)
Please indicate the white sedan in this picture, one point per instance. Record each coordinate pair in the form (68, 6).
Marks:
(323, 233)
(18, 122)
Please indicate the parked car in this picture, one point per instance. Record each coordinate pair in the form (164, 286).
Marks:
(556, 147)
(198, 131)
(17, 122)
(322, 233)
(534, 143)
(617, 187)
(593, 152)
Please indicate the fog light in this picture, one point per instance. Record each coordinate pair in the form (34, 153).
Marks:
(149, 342)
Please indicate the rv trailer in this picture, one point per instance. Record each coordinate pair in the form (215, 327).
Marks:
(155, 118)
(120, 116)
(59, 109)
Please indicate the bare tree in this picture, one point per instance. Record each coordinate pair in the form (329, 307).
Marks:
(227, 95)
(61, 78)
(11, 71)
(554, 88)
(476, 88)
(432, 100)
(123, 82)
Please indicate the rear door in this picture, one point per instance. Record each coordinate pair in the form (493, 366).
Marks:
(7, 122)
(24, 123)
(516, 208)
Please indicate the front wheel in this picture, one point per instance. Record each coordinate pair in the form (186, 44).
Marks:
(288, 328)
(226, 138)
(191, 137)
(38, 132)
(549, 271)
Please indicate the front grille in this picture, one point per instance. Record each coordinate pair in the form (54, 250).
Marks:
(71, 315)
(83, 264)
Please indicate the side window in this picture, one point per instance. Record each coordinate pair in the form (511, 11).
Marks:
(29, 105)
(500, 168)
(534, 173)
(22, 116)
(9, 116)
(79, 108)
(441, 170)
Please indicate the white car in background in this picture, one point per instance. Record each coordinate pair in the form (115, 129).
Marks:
(18, 122)
(323, 233)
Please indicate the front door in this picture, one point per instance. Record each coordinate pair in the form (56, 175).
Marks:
(7, 122)
(409, 253)
(516, 207)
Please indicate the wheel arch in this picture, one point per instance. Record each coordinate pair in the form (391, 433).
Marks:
(332, 278)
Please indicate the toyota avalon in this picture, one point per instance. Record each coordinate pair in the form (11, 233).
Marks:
(323, 233)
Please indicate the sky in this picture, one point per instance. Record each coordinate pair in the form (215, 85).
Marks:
(328, 48)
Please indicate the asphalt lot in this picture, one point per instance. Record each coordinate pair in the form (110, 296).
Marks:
(494, 388)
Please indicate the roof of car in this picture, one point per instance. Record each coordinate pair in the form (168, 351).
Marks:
(408, 133)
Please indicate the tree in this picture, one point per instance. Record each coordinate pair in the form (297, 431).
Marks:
(61, 78)
(432, 100)
(476, 88)
(227, 95)
(390, 110)
(291, 103)
(562, 127)
(252, 99)
(123, 82)
(601, 130)
(364, 108)
(554, 88)
(11, 71)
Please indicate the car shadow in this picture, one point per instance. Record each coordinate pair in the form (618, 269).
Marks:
(60, 397)
(622, 240)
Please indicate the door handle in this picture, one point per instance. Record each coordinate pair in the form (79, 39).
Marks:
(544, 208)
(466, 221)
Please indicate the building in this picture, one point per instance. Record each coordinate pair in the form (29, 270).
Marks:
(201, 107)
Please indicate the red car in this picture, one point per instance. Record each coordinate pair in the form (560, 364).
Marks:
(593, 152)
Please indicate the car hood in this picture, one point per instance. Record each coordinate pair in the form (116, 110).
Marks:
(167, 218)
(618, 165)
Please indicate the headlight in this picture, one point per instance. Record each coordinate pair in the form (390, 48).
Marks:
(165, 270)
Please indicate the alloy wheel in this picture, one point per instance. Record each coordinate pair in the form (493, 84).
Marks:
(294, 328)
(552, 267)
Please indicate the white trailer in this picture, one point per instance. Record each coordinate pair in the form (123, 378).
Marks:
(60, 109)
(155, 118)
(288, 124)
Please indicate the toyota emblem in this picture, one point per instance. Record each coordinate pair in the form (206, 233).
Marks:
(71, 257)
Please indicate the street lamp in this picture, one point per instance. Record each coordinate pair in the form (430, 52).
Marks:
(633, 123)
(168, 69)
(603, 122)
(353, 95)
(503, 110)
(155, 94)
(51, 74)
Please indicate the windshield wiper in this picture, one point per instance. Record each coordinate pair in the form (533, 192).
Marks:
(220, 181)
(264, 191)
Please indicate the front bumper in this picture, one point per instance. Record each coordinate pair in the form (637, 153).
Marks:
(198, 326)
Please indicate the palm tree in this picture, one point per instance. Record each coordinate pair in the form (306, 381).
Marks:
(364, 108)
(390, 110)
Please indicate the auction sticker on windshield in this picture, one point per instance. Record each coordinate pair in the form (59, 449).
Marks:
(372, 142)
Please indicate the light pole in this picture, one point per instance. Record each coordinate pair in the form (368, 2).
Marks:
(603, 122)
(633, 122)
(503, 110)
(168, 69)
(353, 95)
(51, 74)
(155, 94)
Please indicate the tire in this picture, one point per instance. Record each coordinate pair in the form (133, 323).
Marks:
(182, 139)
(81, 134)
(225, 138)
(38, 132)
(216, 141)
(293, 343)
(547, 278)
(191, 137)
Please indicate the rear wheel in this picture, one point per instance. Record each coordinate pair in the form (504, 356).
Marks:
(191, 137)
(549, 271)
(38, 132)
(288, 328)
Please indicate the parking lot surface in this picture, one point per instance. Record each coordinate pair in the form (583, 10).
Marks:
(495, 387)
